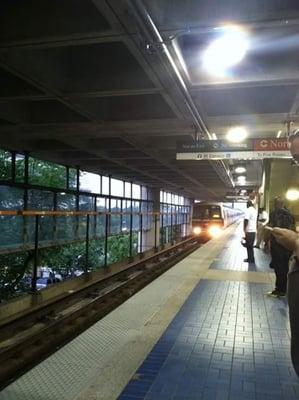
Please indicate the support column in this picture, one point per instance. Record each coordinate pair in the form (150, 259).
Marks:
(190, 203)
(151, 237)
(264, 199)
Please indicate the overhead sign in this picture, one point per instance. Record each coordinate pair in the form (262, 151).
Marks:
(270, 144)
(251, 149)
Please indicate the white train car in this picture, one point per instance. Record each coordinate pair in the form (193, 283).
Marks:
(209, 219)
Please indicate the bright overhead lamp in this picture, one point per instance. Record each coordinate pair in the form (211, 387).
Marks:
(214, 136)
(236, 134)
(241, 179)
(226, 51)
(292, 195)
(240, 170)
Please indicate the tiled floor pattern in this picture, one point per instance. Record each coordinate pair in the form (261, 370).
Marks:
(233, 254)
(228, 342)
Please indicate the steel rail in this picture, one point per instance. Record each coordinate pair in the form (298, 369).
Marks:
(40, 332)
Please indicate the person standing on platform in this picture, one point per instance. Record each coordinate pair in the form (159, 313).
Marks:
(250, 223)
(280, 217)
(290, 240)
(262, 221)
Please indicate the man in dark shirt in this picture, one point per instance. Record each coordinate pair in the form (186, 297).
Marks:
(294, 146)
(282, 218)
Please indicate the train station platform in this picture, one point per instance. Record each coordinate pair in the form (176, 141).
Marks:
(203, 330)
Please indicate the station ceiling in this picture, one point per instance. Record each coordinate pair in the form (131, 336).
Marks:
(110, 86)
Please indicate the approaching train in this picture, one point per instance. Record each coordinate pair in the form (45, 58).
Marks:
(209, 219)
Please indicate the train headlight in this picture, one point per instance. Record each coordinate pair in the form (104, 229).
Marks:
(215, 231)
(197, 230)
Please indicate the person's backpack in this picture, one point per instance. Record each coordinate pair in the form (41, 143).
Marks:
(284, 219)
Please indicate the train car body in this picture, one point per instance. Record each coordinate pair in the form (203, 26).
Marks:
(209, 219)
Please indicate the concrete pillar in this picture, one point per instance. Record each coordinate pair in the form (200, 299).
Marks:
(190, 203)
(148, 237)
(267, 171)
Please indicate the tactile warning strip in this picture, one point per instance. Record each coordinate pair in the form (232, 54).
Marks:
(63, 375)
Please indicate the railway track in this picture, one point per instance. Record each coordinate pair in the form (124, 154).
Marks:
(28, 340)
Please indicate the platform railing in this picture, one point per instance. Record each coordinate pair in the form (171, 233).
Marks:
(97, 225)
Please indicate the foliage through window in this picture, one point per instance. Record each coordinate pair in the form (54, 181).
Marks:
(45, 173)
(62, 251)
(20, 168)
(5, 165)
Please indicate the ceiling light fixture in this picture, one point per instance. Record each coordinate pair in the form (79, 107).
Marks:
(241, 179)
(226, 51)
(292, 195)
(240, 170)
(236, 134)
(279, 134)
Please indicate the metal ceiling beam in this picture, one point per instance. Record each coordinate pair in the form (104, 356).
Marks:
(169, 67)
(114, 93)
(84, 95)
(118, 35)
(129, 37)
(250, 24)
(198, 87)
(250, 119)
(42, 43)
(166, 164)
(259, 126)
(50, 92)
(121, 164)
(147, 128)
(75, 108)
(107, 129)
(152, 36)
(223, 172)
(81, 145)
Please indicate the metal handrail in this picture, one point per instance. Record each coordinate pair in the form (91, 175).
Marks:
(31, 213)
(39, 214)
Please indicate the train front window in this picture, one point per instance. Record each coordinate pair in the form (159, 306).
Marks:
(215, 212)
(201, 212)
(206, 212)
